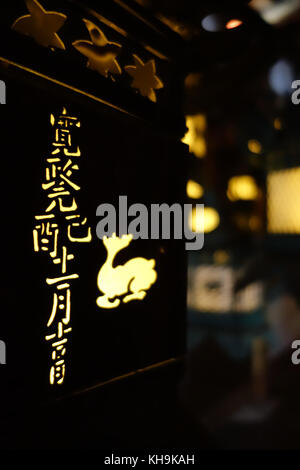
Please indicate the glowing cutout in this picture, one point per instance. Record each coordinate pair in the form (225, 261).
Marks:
(145, 78)
(133, 278)
(60, 164)
(41, 25)
(100, 52)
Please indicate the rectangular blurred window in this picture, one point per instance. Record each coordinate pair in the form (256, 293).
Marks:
(283, 201)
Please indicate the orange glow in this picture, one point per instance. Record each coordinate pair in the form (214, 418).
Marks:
(233, 24)
(277, 124)
(255, 146)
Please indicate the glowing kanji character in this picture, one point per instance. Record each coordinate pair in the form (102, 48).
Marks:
(63, 259)
(51, 172)
(59, 352)
(61, 304)
(65, 121)
(62, 131)
(45, 237)
(83, 239)
(57, 175)
(61, 332)
(58, 372)
(62, 138)
(56, 280)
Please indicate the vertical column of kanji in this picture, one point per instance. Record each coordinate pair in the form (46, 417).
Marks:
(60, 225)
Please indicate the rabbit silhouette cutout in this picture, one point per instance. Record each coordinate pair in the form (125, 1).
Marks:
(133, 278)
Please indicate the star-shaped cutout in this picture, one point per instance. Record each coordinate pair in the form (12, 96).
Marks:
(145, 78)
(100, 52)
(41, 25)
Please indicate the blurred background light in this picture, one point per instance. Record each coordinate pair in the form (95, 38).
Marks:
(277, 124)
(221, 256)
(281, 77)
(275, 12)
(211, 220)
(194, 137)
(211, 290)
(194, 190)
(234, 23)
(212, 23)
(254, 146)
(283, 201)
(242, 187)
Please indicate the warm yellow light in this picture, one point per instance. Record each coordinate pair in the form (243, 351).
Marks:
(231, 24)
(192, 80)
(131, 279)
(283, 201)
(211, 220)
(254, 146)
(221, 256)
(242, 221)
(255, 223)
(242, 187)
(199, 122)
(277, 124)
(194, 190)
(194, 137)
